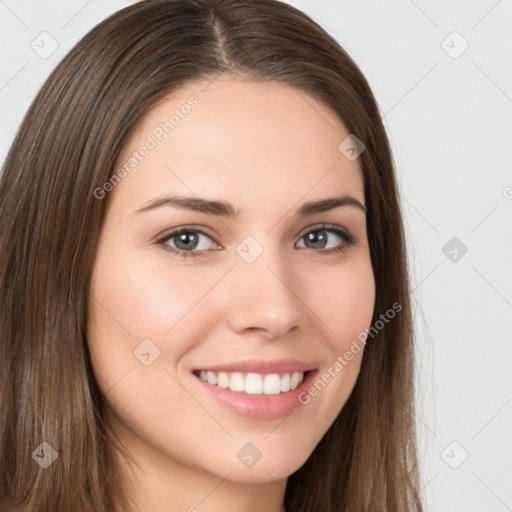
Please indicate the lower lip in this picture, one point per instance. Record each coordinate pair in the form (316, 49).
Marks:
(260, 407)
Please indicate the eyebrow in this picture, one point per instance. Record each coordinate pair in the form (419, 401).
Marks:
(225, 209)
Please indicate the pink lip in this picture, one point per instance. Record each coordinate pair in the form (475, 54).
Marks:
(259, 407)
(264, 367)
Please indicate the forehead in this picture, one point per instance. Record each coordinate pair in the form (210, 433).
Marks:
(240, 139)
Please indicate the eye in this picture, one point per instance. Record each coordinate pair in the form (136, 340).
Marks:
(193, 242)
(187, 242)
(320, 237)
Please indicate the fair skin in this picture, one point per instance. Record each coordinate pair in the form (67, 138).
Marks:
(267, 150)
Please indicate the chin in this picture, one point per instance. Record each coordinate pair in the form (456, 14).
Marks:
(263, 461)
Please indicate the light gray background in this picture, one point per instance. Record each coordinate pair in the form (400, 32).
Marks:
(449, 117)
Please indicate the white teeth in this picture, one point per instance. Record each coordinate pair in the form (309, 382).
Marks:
(272, 384)
(253, 383)
(211, 378)
(236, 382)
(222, 380)
(285, 383)
(294, 381)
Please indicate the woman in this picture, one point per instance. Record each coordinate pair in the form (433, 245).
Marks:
(205, 302)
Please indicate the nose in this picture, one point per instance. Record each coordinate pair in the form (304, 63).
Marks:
(265, 297)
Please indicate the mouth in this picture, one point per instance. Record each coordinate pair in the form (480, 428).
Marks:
(252, 383)
(256, 389)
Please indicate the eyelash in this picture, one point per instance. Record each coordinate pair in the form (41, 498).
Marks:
(347, 238)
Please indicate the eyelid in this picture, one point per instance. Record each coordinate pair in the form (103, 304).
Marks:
(213, 235)
(324, 225)
(188, 227)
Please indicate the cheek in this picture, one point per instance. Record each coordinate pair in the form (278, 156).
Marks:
(346, 303)
(345, 308)
(137, 299)
(133, 310)
(134, 299)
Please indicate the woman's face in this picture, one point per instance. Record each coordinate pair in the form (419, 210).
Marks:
(267, 298)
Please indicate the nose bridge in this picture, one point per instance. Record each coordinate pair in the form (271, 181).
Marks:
(262, 295)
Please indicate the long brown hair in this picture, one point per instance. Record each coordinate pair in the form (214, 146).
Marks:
(68, 145)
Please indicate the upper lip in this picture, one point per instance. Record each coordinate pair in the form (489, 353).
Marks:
(262, 366)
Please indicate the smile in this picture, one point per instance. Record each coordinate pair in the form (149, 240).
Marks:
(254, 383)
(256, 389)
